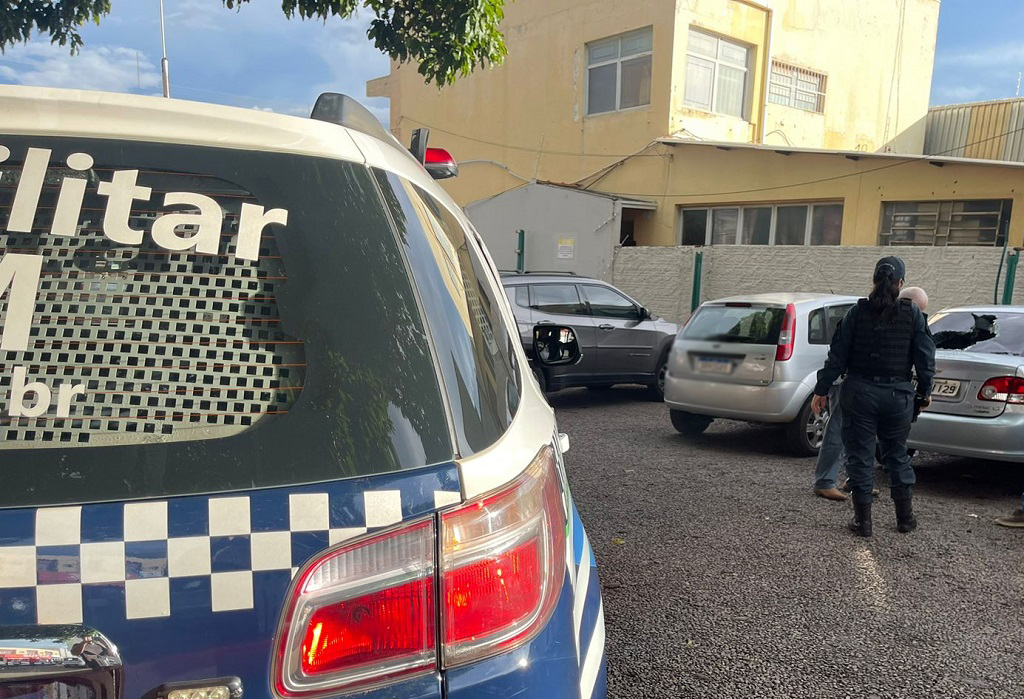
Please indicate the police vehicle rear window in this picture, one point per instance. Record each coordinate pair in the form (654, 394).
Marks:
(751, 325)
(181, 320)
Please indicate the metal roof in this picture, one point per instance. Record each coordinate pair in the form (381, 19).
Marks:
(987, 130)
(851, 154)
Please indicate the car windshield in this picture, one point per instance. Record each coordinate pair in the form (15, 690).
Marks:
(991, 333)
(747, 324)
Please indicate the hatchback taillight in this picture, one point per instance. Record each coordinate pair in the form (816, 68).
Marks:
(366, 614)
(1003, 389)
(787, 337)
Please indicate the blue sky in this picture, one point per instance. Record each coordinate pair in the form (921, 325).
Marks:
(251, 57)
(255, 58)
(979, 51)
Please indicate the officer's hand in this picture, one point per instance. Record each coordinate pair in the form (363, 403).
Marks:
(819, 404)
(923, 402)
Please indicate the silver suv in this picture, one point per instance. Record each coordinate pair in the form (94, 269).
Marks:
(754, 358)
(621, 341)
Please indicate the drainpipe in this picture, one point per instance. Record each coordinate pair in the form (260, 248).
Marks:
(698, 267)
(769, 32)
(1011, 276)
(520, 251)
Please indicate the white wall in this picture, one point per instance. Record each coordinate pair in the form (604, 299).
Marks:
(661, 278)
(549, 214)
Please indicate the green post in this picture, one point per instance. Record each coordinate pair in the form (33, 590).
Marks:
(698, 263)
(1011, 275)
(521, 251)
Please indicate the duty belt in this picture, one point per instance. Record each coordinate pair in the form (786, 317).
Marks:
(880, 379)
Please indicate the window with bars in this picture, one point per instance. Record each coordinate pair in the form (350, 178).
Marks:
(619, 72)
(763, 224)
(972, 222)
(796, 87)
(717, 74)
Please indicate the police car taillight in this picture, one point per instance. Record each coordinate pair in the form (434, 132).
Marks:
(362, 615)
(367, 614)
(502, 565)
(787, 337)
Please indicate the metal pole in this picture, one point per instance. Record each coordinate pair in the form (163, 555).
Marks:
(521, 251)
(698, 265)
(164, 65)
(1011, 277)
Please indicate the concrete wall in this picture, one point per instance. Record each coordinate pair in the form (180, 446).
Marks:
(662, 278)
(548, 215)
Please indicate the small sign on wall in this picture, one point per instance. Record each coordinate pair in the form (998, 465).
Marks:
(566, 248)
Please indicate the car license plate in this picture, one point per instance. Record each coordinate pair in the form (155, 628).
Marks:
(714, 365)
(944, 388)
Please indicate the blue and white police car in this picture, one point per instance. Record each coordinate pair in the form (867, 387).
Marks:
(266, 424)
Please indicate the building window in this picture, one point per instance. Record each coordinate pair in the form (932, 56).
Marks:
(717, 74)
(619, 72)
(976, 222)
(763, 224)
(796, 87)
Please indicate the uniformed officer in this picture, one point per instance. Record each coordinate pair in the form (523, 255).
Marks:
(879, 341)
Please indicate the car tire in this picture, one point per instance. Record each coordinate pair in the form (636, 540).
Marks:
(688, 424)
(656, 391)
(806, 432)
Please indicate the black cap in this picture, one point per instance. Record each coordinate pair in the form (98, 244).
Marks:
(891, 267)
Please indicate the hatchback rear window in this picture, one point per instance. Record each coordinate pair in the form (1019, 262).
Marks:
(991, 333)
(182, 320)
(752, 325)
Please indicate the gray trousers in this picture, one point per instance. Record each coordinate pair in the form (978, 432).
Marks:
(831, 455)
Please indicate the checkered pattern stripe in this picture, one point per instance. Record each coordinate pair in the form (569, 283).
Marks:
(53, 556)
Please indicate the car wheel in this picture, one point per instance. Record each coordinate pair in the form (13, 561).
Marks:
(688, 424)
(656, 391)
(806, 433)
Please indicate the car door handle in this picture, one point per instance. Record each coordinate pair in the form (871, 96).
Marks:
(606, 326)
(545, 322)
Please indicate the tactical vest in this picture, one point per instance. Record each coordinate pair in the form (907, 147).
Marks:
(882, 344)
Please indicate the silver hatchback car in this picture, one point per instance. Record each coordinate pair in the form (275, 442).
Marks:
(754, 358)
(978, 398)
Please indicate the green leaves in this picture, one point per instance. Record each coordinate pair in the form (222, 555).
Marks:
(61, 20)
(447, 38)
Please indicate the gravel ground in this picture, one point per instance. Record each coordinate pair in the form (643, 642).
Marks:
(724, 576)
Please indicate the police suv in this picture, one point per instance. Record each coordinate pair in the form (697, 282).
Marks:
(266, 425)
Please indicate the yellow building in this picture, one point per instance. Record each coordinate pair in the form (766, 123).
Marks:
(723, 121)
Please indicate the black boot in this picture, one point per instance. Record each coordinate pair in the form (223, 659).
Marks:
(905, 519)
(861, 523)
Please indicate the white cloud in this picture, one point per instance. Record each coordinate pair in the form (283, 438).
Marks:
(352, 60)
(996, 56)
(111, 68)
(946, 94)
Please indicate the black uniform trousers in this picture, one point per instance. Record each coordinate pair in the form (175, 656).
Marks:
(882, 410)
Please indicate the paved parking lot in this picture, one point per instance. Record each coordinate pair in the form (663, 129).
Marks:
(725, 577)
